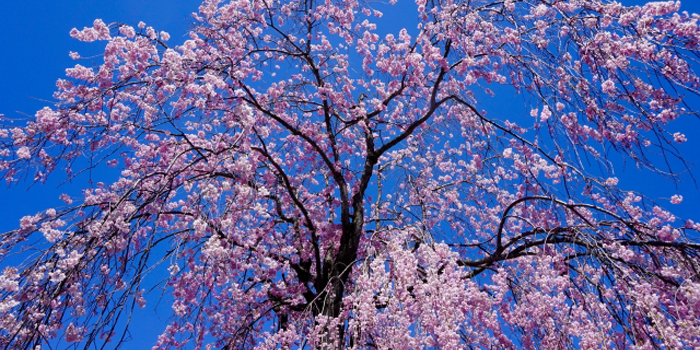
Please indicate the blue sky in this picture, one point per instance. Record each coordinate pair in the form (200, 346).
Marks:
(35, 45)
(34, 48)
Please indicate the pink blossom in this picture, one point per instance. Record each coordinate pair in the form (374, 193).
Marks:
(546, 113)
(24, 153)
(678, 137)
(318, 176)
(507, 153)
(676, 199)
(99, 31)
(540, 10)
(80, 72)
(73, 334)
(7, 304)
(9, 280)
(564, 31)
(609, 86)
(611, 181)
(127, 31)
(66, 198)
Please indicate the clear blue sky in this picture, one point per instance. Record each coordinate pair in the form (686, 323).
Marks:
(34, 47)
(34, 50)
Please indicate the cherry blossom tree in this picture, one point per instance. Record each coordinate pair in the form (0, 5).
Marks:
(311, 177)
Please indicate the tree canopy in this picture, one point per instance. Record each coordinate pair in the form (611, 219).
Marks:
(310, 176)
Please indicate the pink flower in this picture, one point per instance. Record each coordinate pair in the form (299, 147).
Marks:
(540, 10)
(80, 72)
(609, 86)
(564, 31)
(676, 199)
(546, 113)
(611, 181)
(507, 153)
(678, 137)
(73, 333)
(66, 198)
(24, 153)
(127, 31)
